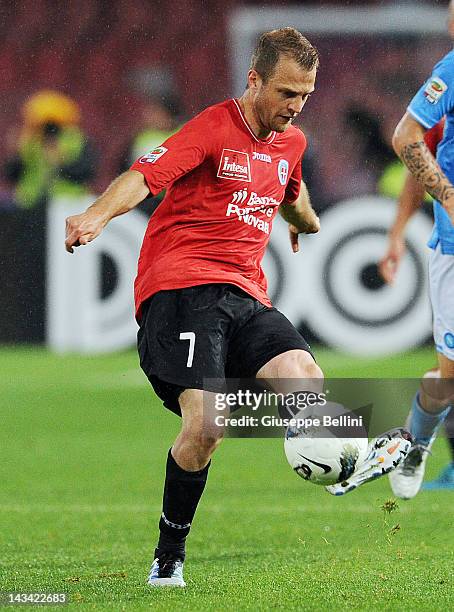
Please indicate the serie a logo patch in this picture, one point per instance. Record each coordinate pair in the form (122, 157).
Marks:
(153, 156)
(234, 165)
(435, 88)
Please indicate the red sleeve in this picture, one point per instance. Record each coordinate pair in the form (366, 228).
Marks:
(177, 156)
(294, 183)
(433, 136)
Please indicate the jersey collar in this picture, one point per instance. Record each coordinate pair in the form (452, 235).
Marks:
(268, 140)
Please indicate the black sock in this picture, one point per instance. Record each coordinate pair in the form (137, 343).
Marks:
(182, 492)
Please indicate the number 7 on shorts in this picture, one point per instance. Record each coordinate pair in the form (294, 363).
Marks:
(191, 337)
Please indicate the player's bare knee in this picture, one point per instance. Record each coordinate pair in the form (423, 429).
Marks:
(204, 437)
(298, 364)
(436, 391)
(210, 439)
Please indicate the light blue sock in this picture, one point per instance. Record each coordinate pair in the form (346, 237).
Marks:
(423, 425)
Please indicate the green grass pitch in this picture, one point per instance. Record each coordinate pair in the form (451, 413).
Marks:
(83, 445)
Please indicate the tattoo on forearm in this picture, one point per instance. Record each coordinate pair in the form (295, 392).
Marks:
(425, 169)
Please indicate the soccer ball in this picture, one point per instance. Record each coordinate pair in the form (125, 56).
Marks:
(319, 456)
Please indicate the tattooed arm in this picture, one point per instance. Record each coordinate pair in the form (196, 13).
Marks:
(408, 143)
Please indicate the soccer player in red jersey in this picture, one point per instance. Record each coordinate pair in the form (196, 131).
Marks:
(200, 291)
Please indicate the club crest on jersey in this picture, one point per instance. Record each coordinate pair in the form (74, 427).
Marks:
(435, 88)
(153, 156)
(235, 166)
(282, 171)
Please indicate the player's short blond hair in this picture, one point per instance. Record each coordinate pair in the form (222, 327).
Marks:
(285, 41)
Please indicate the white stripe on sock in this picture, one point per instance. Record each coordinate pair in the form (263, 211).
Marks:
(174, 525)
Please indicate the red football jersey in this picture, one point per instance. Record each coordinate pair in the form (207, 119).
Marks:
(433, 136)
(224, 186)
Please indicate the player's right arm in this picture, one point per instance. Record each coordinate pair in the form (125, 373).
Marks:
(410, 199)
(123, 194)
(408, 142)
(433, 101)
(153, 172)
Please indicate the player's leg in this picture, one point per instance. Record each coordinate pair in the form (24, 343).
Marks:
(181, 341)
(271, 347)
(187, 467)
(296, 371)
(283, 369)
(431, 404)
(199, 435)
(449, 424)
(445, 480)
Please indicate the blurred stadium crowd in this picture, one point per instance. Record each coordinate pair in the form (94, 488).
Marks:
(128, 68)
(88, 87)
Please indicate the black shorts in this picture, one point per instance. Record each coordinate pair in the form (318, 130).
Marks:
(208, 331)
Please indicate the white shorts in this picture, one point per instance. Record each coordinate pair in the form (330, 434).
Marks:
(441, 279)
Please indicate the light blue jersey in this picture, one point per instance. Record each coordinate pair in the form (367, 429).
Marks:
(434, 100)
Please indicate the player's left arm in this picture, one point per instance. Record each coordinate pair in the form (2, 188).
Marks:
(410, 199)
(300, 216)
(408, 142)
